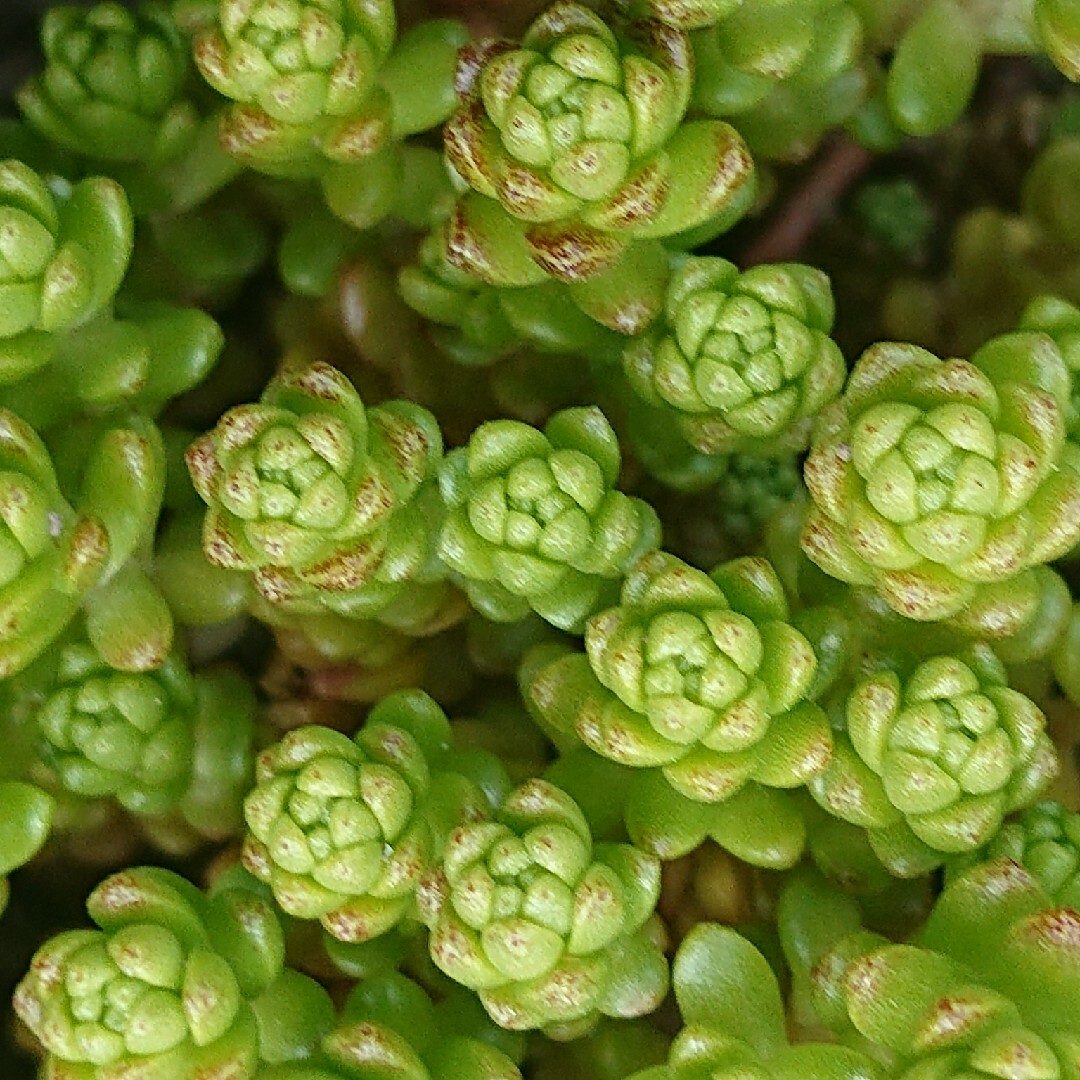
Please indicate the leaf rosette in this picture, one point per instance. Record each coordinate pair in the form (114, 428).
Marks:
(701, 676)
(534, 521)
(163, 988)
(303, 76)
(113, 84)
(940, 483)
(743, 361)
(580, 133)
(125, 734)
(343, 829)
(934, 760)
(329, 505)
(547, 927)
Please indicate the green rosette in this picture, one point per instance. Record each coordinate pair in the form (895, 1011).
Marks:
(742, 361)
(164, 988)
(127, 735)
(576, 143)
(941, 483)
(933, 759)
(26, 814)
(330, 506)
(534, 522)
(988, 989)
(343, 829)
(1045, 841)
(64, 252)
(549, 929)
(321, 86)
(113, 86)
(943, 1024)
(1034, 959)
(735, 1025)
(303, 77)
(700, 676)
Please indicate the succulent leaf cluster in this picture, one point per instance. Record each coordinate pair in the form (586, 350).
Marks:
(549, 928)
(115, 84)
(958, 1008)
(302, 75)
(576, 143)
(534, 521)
(700, 676)
(743, 361)
(936, 757)
(327, 504)
(942, 483)
(343, 830)
(165, 983)
(66, 250)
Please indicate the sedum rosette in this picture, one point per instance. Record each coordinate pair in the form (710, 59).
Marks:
(125, 734)
(326, 88)
(547, 927)
(113, 84)
(933, 759)
(534, 521)
(941, 483)
(343, 829)
(701, 676)
(579, 134)
(164, 988)
(64, 249)
(302, 74)
(742, 361)
(329, 505)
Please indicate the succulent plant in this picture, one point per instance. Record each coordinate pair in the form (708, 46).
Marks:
(328, 505)
(65, 252)
(547, 927)
(743, 361)
(701, 676)
(576, 144)
(534, 521)
(935, 758)
(164, 986)
(941, 483)
(344, 829)
(129, 735)
(114, 85)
